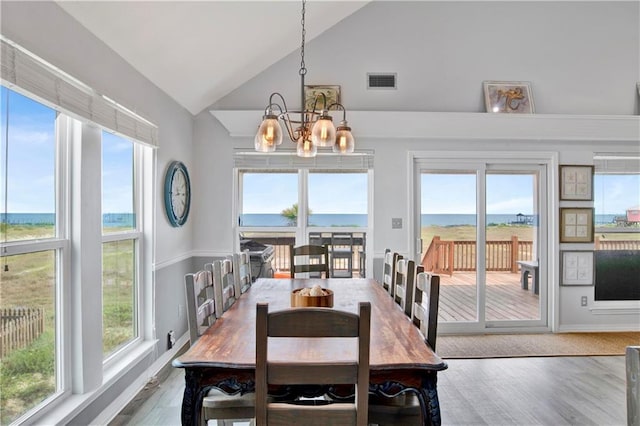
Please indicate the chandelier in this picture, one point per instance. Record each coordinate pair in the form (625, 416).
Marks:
(308, 128)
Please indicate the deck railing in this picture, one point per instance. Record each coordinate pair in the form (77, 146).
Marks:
(281, 245)
(616, 245)
(445, 257)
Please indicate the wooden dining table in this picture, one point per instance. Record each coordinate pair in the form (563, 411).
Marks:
(224, 356)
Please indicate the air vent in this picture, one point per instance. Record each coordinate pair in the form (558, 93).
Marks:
(381, 81)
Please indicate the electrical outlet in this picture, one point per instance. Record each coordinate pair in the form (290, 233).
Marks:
(396, 223)
(171, 339)
(583, 301)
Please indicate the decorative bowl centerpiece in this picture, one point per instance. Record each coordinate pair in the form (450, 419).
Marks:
(315, 296)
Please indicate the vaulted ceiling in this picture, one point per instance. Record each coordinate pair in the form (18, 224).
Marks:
(199, 51)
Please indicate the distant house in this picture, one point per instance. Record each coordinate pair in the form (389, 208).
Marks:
(633, 214)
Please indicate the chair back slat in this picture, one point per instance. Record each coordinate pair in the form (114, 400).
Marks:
(425, 306)
(406, 272)
(390, 275)
(201, 312)
(242, 271)
(224, 286)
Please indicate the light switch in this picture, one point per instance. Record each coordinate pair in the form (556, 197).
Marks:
(396, 223)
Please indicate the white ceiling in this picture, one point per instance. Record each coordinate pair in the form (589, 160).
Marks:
(199, 51)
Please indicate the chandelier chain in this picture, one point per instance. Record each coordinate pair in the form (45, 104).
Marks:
(303, 68)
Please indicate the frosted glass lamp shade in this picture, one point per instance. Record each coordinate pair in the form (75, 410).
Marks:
(306, 148)
(345, 143)
(323, 132)
(269, 134)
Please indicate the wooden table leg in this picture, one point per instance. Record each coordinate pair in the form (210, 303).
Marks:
(429, 399)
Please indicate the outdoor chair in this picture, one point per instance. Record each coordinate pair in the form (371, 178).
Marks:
(305, 254)
(341, 255)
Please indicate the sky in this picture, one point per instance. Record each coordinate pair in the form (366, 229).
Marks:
(31, 183)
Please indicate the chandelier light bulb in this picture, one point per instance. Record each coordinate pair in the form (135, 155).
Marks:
(323, 132)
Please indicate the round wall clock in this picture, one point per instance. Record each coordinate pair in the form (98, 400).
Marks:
(177, 193)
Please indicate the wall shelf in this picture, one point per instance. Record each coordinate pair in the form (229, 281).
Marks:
(469, 126)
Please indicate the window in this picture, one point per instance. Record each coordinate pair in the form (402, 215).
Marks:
(617, 228)
(332, 195)
(119, 253)
(29, 278)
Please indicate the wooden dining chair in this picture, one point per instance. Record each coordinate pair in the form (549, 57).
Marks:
(389, 271)
(312, 323)
(300, 254)
(201, 314)
(406, 271)
(224, 285)
(405, 409)
(242, 271)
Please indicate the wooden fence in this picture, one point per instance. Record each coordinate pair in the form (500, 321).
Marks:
(19, 327)
(445, 257)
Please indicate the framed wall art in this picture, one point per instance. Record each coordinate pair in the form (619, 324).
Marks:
(577, 267)
(576, 225)
(513, 97)
(576, 183)
(311, 93)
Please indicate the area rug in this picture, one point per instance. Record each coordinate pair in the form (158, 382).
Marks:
(529, 345)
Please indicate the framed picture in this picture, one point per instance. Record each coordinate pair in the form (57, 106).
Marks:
(512, 97)
(576, 225)
(577, 267)
(311, 93)
(576, 183)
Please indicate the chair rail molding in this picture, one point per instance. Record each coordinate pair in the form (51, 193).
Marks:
(463, 125)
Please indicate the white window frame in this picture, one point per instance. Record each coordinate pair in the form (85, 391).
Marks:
(248, 162)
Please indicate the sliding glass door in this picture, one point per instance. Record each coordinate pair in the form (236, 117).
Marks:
(479, 225)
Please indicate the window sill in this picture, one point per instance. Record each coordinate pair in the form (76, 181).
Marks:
(74, 404)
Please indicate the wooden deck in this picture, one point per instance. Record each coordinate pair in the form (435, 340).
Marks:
(506, 300)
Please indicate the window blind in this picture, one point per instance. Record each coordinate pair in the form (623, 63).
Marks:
(288, 160)
(20, 69)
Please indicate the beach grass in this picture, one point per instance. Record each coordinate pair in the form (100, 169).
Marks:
(27, 375)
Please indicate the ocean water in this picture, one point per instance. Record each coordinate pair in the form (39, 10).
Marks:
(108, 219)
(320, 220)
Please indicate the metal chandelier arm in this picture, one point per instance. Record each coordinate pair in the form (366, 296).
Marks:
(308, 128)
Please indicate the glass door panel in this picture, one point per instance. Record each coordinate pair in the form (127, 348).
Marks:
(511, 237)
(448, 217)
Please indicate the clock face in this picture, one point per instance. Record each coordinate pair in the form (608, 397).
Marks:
(177, 193)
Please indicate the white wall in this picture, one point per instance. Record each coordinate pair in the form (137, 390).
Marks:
(581, 58)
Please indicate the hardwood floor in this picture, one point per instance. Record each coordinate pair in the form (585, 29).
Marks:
(506, 391)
